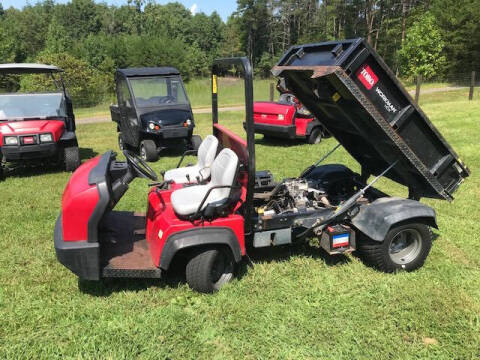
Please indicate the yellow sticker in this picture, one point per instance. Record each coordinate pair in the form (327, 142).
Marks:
(336, 97)
(214, 84)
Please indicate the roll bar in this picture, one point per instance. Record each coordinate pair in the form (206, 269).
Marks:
(244, 63)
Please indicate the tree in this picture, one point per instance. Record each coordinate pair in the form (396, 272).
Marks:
(86, 85)
(421, 54)
(458, 21)
(253, 18)
(57, 38)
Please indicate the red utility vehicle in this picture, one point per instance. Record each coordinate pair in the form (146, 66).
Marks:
(287, 118)
(37, 126)
(233, 209)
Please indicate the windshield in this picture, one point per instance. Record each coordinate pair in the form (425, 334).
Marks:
(158, 91)
(24, 106)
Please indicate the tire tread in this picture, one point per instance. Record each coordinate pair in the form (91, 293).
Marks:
(72, 158)
(373, 253)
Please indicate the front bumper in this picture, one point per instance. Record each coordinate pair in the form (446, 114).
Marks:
(172, 132)
(27, 152)
(80, 257)
(288, 132)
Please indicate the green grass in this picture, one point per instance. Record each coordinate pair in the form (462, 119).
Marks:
(295, 303)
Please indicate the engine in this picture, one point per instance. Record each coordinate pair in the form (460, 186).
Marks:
(303, 196)
(323, 187)
(295, 195)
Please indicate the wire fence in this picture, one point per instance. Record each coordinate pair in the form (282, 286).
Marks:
(463, 82)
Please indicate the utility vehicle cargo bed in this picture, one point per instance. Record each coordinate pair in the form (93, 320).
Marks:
(360, 101)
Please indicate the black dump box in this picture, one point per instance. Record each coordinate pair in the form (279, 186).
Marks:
(364, 106)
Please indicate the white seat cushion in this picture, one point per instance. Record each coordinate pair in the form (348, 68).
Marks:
(179, 175)
(186, 201)
(201, 170)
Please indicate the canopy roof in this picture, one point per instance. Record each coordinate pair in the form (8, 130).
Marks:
(148, 71)
(27, 68)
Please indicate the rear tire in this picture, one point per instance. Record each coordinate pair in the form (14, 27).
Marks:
(405, 248)
(71, 157)
(148, 150)
(315, 136)
(195, 142)
(208, 270)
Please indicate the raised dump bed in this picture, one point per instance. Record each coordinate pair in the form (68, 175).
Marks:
(362, 103)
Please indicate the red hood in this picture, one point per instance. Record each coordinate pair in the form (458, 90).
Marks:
(31, 127)
(264, 107)
(268, 112)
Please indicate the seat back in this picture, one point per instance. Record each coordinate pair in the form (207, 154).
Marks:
(223, 172)
(207, 151)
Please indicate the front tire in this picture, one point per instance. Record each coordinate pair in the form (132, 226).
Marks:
(405, 248)
(208, 270)
(315, 136)
(148, 150)
(195, 142)
(71, 157)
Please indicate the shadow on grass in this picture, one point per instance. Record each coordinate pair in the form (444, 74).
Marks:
(284, 253)
(37, 167)
(106, 287)
(87, 153)
(175, 277)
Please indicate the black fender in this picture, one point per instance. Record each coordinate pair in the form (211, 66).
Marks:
(68, 137)
(376, 219)
(312, 125)
(199, 237)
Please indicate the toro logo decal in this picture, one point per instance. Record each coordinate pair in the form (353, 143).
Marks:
(367, 77)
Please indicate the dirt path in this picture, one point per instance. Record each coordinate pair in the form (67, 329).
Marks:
(208, 110)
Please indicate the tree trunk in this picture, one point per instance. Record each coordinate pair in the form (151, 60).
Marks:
(404, 18)
(369, 17)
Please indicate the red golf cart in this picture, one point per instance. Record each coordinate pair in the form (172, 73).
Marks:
(287, 118)
(234, 209)
(40, 126)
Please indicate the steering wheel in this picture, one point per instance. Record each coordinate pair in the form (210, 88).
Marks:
(167, 99)
(139, 166)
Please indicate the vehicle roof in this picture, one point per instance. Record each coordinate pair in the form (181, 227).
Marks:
(148, 71)
(28, 68)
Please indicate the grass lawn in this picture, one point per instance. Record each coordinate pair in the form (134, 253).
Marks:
(295, 303)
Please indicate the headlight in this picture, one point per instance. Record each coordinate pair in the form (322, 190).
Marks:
(151, 126)
(280, 117)
(11, 140)
(46, 138)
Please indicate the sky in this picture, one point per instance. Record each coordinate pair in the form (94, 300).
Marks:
(223, 7)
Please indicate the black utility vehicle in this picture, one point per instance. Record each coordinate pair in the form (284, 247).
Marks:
(153, 111)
